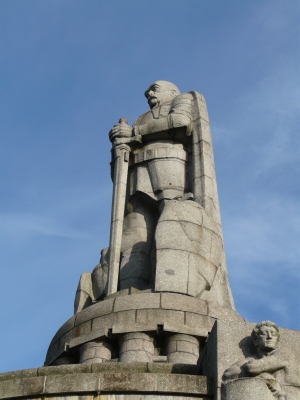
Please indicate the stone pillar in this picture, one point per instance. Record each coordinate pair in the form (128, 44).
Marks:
(136, 346)
(96, 351)
(247, 389)
(182, 349)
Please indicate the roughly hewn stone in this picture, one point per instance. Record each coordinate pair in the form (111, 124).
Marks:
(127, 382)
(22, 373)
(96, 310)
(229, 346)
(97, 351)
(136, 347)
(137, 302)
(10, 389)
(174, 301)
(133, 367)
(64, 370)
(182, 349)
(245, 388)
(160, 316)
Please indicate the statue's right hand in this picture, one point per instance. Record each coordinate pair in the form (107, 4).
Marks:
(120, 130)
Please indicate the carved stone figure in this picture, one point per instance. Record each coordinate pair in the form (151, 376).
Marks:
(172, 237)
(92, 286)
(269, 364)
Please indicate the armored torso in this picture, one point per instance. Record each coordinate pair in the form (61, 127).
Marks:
(159, 167)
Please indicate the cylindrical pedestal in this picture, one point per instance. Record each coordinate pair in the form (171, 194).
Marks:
(95, 352)
(136, 346)
(246, 389)
(182, 349)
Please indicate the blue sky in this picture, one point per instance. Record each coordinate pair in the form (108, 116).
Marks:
(69, 71)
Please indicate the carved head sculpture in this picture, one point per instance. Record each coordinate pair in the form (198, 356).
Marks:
(265, 336)
(161, 92)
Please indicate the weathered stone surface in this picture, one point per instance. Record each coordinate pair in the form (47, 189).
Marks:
(84, 294)
(83, 328)
(22, 373)
(229, 345)
(170, 234)
(250, 389)
(173, 301)
(61, 382)
(181, 383)
(71, 383)
(215, 311)
(10, 389)
(177, 313)
(137, 301)
(134, 367)
(202, 322)
(119, 329)
(96, 334)
(182, 349)
(136, 347)
(66, 327)
(97, 351)
(64, 370)
(119, 397)
(123, 382)
(94, 311)
(160, 316)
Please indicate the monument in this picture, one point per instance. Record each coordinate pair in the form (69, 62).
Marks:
(155, 319)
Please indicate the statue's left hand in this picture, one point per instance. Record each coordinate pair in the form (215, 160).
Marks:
(120, 130)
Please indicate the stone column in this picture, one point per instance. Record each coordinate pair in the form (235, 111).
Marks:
(136, 346)
(183, 349)
(96, 351)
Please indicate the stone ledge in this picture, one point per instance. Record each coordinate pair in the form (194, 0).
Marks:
(75, 380)
(107, 367)
(130, 310)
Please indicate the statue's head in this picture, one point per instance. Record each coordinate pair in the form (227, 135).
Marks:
(265, 336)
(161, 92)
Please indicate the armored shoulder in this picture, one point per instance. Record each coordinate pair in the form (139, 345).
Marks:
(182, 104)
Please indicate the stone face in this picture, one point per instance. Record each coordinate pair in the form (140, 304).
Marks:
(157, 311)
(166, 233)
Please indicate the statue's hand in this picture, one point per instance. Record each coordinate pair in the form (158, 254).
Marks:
(120, 130)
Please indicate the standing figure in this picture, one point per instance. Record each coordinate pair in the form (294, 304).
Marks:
(172, 236)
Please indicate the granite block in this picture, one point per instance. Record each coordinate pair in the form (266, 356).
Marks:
(174, 301)
(71, 383)
(96, 310)
(137, 301)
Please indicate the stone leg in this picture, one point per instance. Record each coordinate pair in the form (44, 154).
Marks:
(138, 233)
(136, 346)
(95, 352)
(182, 349)
(188, 247)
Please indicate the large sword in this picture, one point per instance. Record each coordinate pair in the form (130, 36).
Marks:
(121, 152)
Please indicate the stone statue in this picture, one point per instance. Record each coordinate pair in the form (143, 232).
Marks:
(166, 232)
(269, 364)
(172, 237)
